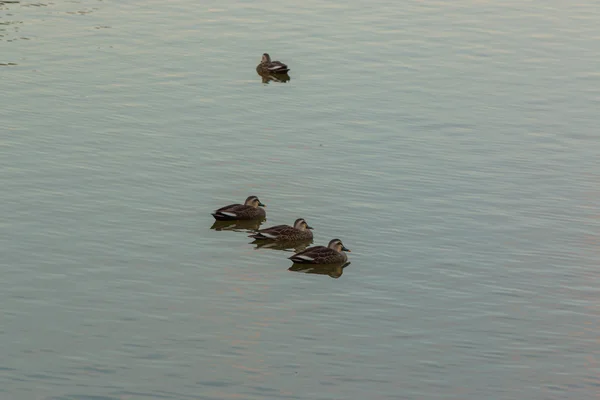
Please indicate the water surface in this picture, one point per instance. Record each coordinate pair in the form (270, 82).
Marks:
(453, 146)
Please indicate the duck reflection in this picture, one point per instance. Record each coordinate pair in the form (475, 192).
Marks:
(238, 225)
(332, 270)
(281, 78)
(295, 246)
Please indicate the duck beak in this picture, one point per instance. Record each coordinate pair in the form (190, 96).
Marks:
(344, 248)
(261, 204)
(309, 227)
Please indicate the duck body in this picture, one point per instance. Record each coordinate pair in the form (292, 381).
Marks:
(269, 67)
(250, 210)
(332, 254)
(285, 233)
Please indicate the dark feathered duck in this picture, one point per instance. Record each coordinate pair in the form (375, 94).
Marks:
(267, 66)
(332, 254)
(249, 210)
(300, 231)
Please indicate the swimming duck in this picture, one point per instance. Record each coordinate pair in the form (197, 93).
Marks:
(332, 254)
(271, 67)
(248, 210)
(284, 233)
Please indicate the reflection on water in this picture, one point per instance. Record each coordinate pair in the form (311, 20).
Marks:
(332, 270)
(281, 78)
(82, 12)
(8, 28)
(482, 277)
(282, 245)
(237, 225)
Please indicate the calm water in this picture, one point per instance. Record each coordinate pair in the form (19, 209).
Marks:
(452, 145)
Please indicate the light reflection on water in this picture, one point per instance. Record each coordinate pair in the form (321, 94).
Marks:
(452, 146)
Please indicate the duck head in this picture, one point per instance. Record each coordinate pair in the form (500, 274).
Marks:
(254, 202)
(301, 224)
(337, 245)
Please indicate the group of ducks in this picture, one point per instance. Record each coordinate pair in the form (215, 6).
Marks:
(284, 235)
(272, 70)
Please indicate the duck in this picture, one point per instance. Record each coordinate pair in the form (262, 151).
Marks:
(332, 254)
(285, 233)
(248, 211)
(267, 66)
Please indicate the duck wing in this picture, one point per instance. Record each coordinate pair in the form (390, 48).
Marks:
(277, 67)
(313, 255)
(232, 211)
(273, 232)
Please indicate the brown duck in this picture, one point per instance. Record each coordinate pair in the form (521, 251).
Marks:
(285, 233)
(267, 66)
(332, 254)
(249, 210)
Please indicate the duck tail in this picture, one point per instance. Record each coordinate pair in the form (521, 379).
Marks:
(301, 259)
(222, 217)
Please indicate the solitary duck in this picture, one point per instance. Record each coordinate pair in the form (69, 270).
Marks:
(248, 210)
(267, 66)
(285, 233)
(332, 254)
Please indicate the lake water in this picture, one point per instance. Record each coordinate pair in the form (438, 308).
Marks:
(452, 145)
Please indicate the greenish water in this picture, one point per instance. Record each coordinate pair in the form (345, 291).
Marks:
(453, 146)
